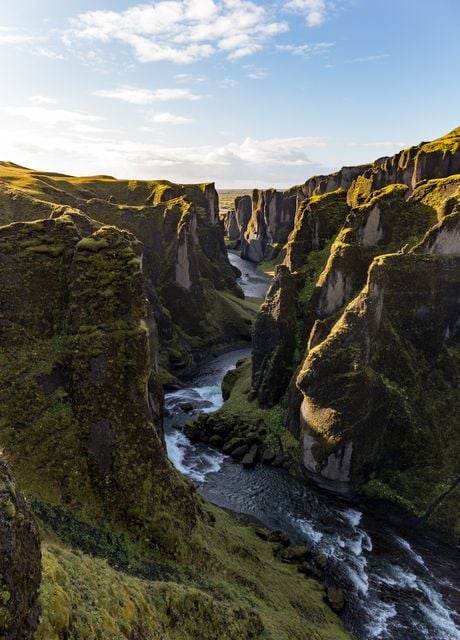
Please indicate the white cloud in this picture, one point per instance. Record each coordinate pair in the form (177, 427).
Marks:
(140, 95)
(189, 78)
(42, 100)
(181, 31)
(372, 58)
(315, 11)
(281, 151)
(255, 73)
(168, 118)
(306, 50)
(83, 152)
(45, 52)
(10, 35)
(228, 83)
(52, 117)
(385, 144)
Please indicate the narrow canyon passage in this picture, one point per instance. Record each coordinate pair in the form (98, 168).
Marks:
(399, 582)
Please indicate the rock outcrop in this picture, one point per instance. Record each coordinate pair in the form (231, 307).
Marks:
(185, 263)
(270, 223)
(273, 212)
(81, 404)
(426, 161)
(274, 340)
(20, 569)
(375, 360)
(129, 549)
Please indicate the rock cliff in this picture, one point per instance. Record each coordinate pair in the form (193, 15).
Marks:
(185, 263)
(129, 549)
(270, 223)
(20, 570)
(372, 278)
(81, 419)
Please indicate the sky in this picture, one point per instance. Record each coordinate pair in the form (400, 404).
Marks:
(246, 93)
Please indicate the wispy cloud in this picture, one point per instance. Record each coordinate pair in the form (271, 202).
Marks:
(384, 144)
(228, 83)
(189, 78)
(315, 11)
(51, 117)
(11, 35)
(47, 52)
(168, 118)
(372, 58)
(255, 73)
(306, 50)
(140, 95)
(181, 31)
(42, 100)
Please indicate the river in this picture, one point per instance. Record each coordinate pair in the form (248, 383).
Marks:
(401, 583)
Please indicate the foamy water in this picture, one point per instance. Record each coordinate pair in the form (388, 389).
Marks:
(394, 589)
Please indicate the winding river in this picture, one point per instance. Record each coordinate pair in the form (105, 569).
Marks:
(401, 583)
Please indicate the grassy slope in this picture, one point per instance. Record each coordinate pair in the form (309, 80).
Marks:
(233, 588)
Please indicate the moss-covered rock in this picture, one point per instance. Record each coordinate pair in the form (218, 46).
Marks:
(377, 390)
(274, 339)
(390, 240)
(426, 161)
(20, 569)
(81, 419)
(184, 256)
(271, 221)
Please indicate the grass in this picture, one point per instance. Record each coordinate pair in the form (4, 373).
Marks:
(244, 410)
(235, 588)
(227, 196)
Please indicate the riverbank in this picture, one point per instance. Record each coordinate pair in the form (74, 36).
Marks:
(398, 583)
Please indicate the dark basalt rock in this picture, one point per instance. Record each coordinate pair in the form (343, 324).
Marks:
(20, 568)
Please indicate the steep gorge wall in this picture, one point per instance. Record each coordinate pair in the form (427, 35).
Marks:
(185, 263)
(81, 429)
(81, 405)
(367, 384)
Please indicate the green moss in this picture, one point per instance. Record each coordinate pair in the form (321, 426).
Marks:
(242, 411)
(92, 244)
(234, 588)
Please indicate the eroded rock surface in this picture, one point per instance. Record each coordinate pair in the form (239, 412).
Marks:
(20, 569)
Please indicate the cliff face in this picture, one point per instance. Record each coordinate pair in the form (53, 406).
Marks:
(273, 212)
(375, 362)
(184, 257)
(128, 550)
(426, 161)
(19, 562)
(236, 220)
(81, 419)
(263, 226)
(270, 222)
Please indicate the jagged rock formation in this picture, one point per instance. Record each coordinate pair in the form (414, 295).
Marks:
(81, 419)
(129, 549)
(342, 179)
(274, 339)
(373, 382)
(185, 263)
(19, 562)
(236, 220)
(426, 161)
(264, 224)
(273, 212)
(270, 223)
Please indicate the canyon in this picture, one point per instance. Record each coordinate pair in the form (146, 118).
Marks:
(344, 377)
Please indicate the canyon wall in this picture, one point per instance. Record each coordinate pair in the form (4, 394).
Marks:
(370, 380)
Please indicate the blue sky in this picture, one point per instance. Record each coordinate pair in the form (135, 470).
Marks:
(244, 93)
